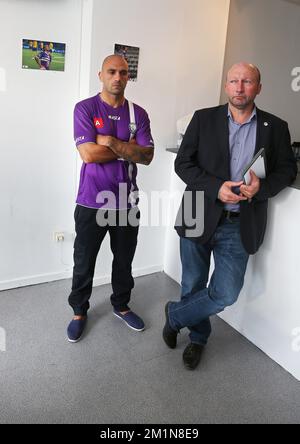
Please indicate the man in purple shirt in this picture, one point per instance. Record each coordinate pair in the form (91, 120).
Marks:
(112, 135)
(44, 58)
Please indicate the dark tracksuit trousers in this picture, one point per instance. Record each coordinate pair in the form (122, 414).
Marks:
(89, 237)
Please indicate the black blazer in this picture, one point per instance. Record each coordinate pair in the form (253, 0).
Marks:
(203, 163)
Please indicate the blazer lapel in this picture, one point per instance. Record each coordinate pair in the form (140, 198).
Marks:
(263, 131)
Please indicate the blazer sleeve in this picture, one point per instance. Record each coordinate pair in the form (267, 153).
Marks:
(285, 166)
(187, 166)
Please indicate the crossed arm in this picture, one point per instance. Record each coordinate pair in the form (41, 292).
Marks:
(109, 148)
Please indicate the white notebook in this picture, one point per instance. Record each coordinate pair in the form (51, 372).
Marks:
(257, 165)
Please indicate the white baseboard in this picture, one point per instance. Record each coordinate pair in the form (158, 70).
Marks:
(51, 277)
(34, 280)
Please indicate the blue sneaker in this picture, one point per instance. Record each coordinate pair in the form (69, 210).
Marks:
(131, 319)
(75, 329)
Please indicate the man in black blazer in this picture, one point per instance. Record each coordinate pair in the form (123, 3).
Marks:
(217, 146)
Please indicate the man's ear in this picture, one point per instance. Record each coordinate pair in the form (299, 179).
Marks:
(259, 89)
(100, 75)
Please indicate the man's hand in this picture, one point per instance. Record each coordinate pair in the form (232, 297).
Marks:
(226, 194)
(104, 140)
(251, 190)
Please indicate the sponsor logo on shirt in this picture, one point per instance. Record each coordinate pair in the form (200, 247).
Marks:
(98, 122)
(79, 139)
(118, 118)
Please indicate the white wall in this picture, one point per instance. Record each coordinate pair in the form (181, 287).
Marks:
(181, 59)
(198, 85)
(37, 180)
(267, 33)
(182, 48)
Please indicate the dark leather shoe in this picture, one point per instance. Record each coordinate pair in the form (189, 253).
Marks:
(192, 355)
(169, 335)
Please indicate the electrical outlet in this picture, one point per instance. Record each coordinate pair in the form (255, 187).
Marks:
(59, 236)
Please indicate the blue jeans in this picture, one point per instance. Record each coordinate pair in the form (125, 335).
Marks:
(199, 301)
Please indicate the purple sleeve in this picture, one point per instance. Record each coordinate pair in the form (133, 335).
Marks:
(143, 135)
(84, 130)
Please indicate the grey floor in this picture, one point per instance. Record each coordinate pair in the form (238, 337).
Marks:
(115, 375)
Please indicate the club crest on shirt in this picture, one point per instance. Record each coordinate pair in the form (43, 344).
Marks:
(132, 128)
(98, 122)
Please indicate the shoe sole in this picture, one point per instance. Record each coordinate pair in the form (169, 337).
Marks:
(128, 325)
(73, 341)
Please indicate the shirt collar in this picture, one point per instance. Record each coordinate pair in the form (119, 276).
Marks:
(252, 117)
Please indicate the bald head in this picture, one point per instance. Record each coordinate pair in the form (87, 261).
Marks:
(114, 59)
(245, 66)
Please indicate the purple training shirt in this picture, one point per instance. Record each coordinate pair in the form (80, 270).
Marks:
(92, 117)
